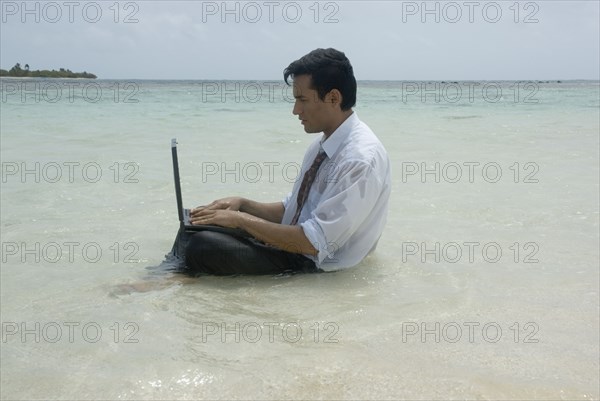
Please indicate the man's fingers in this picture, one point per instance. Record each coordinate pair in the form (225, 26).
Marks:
(199, 210)
(219, 204)
(202, 214)
(199, 220)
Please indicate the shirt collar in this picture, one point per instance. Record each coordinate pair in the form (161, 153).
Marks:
(335, 140)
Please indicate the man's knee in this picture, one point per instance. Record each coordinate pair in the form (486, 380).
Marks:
(208, 252)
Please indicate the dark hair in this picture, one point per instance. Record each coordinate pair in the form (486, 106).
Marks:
(329, 69)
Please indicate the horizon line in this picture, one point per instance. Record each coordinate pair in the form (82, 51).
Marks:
(449, 80)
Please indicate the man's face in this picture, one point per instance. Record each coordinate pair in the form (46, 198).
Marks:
(316, 115)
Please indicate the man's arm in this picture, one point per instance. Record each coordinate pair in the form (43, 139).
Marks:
(282, 236)
(272, 212)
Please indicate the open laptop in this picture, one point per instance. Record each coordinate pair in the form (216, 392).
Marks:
(184, 214)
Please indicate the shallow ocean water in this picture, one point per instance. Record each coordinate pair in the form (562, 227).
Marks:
(484, 284)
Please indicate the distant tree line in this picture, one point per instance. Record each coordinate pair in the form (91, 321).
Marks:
(17, 71)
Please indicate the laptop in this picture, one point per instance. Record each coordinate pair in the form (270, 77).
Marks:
(184, 214)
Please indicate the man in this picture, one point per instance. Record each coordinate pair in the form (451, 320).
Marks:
(336, 211)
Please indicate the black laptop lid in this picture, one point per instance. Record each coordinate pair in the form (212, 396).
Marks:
(177, 183)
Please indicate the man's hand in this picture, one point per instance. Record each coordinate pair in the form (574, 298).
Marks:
(272, 212)
(221, 217)
(222, 212)
(232, 203)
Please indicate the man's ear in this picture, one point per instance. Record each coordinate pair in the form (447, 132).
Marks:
(334, 97)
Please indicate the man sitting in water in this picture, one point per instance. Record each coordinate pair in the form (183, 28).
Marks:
(330, 220)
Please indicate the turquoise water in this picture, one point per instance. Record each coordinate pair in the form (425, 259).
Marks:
(484, 284)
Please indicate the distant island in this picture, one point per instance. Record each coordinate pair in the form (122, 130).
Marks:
(17, 71)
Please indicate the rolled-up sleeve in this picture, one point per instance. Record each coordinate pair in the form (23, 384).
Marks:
(343, 207)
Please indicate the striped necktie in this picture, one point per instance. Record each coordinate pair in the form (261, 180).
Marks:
(307, 181)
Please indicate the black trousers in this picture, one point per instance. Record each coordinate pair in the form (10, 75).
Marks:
(208, 252)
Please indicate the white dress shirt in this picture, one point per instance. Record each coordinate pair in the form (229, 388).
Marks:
(346, 208)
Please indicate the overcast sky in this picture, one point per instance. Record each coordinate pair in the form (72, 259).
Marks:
(385, 40)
